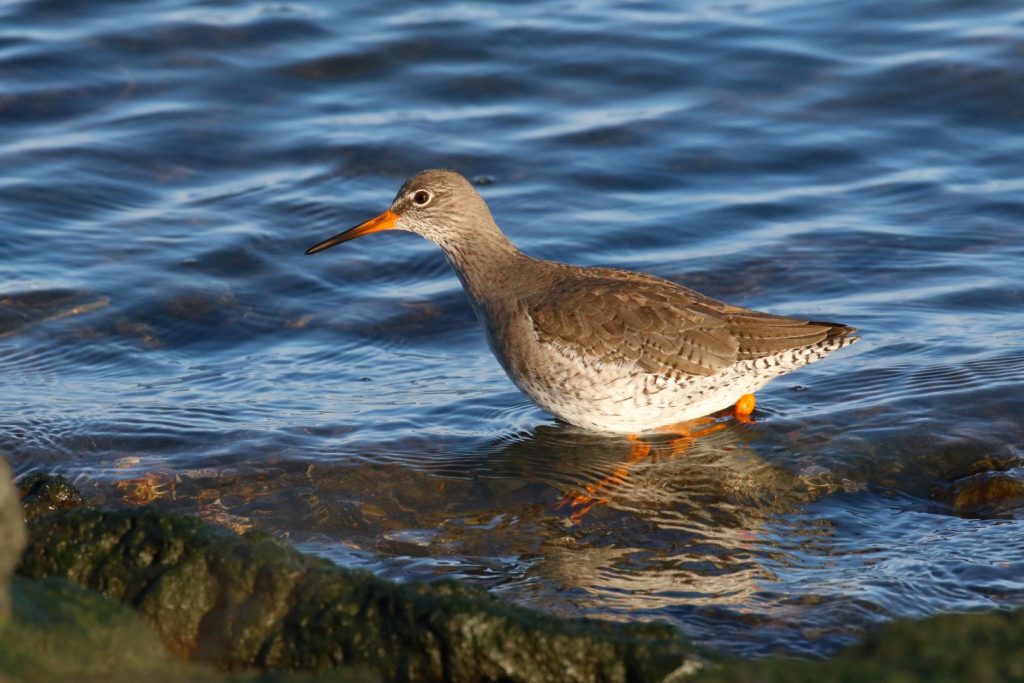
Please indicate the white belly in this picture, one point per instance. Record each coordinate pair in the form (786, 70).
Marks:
(619, 399)
(625, 404)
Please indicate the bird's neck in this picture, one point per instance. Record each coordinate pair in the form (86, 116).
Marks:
(484, 261)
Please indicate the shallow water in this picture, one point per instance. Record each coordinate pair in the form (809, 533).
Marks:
(163, 165)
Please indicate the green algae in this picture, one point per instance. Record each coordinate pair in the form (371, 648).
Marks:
(952, 648)
(250, 601)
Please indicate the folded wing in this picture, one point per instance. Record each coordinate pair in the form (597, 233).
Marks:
(618, 317)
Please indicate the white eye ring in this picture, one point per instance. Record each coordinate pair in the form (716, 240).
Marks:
(421, 198)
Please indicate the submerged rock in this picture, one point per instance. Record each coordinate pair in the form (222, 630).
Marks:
(251, 601)
(44, 493)
(984, 493)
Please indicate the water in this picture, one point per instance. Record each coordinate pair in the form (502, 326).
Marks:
(163, 165)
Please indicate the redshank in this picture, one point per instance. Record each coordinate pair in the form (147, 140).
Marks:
(604, 349)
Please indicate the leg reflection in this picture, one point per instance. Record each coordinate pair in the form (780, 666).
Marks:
(685, 434)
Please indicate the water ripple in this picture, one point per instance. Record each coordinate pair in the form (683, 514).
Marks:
(163, 166)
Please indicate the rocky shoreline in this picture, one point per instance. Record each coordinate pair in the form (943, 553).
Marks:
(126, 594)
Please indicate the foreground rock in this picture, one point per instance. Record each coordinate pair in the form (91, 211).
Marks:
(251, 605)
(60, 632)
(12, 535)
(250, 601)
(953, 648)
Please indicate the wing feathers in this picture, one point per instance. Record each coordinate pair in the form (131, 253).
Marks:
(662, 328)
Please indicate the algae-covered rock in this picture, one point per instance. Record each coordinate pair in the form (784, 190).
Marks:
(952, 648)
(12, 535)
(59, 632)
(44, 493)
(62, 632)
(251, 601)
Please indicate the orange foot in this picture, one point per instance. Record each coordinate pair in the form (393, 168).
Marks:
(686, 433)
(744, 407)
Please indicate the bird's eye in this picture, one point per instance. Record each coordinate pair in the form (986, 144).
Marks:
(421, 198)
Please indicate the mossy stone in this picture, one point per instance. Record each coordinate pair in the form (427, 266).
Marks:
(251, 601)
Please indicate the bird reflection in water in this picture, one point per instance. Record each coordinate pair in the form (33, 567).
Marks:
(682, 437)
(664, 521)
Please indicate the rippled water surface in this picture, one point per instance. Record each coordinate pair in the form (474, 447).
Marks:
(163, 165)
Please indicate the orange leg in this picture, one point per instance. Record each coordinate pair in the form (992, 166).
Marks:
(744, 407)
(686, 433)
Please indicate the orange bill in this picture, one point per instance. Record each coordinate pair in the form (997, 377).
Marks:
(385, 221)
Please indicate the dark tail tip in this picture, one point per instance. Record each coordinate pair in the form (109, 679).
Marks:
(836, 329)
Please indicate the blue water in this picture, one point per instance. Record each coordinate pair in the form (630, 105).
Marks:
(163, 166)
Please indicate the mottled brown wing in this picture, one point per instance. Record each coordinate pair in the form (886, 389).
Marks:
(762, 334)
(665, 329)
